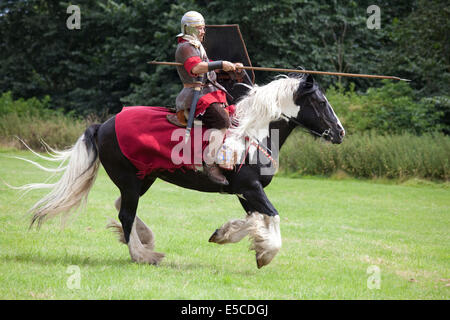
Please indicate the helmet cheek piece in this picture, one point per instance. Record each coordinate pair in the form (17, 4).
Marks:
(192, 31)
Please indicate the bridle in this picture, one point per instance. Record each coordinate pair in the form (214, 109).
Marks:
(294, 120)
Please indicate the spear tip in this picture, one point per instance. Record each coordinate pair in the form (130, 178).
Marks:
(399, 79)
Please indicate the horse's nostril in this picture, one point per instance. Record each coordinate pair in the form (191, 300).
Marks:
(342, 133)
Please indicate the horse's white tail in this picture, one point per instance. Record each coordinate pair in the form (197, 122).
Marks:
(72, 189)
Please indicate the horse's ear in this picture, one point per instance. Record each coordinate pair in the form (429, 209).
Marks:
(297, 75)
(310, 79)
(306, 86)
(294, 75)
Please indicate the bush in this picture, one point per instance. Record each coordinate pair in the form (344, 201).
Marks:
(390, 109)
(32, 120)
(369, 155)
(442, 108)
(21, 107)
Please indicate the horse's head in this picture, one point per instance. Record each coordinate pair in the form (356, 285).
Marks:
(316, 113)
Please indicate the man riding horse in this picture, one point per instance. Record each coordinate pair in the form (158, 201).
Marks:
(197, 73)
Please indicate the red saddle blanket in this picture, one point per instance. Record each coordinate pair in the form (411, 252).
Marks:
(151, 143)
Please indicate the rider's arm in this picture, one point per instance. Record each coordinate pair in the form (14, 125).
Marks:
(202, 67)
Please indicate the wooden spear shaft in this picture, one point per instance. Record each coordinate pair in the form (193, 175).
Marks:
(340, 74)
(165, 63)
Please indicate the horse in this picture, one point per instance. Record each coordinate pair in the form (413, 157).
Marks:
(263, 113)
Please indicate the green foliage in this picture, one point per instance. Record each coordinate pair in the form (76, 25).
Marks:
(442, 107)
(58, 131)
(320, 35)
(390, 109)
(102, 66)
(32, 120)
(22, 107)
(370, 155)
(422, 47)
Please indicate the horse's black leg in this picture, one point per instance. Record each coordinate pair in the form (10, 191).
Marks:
(131, 225)
(145, 234)
(255, 199)
(245, 205)
(123, 174)
(128, 207)
(146, 184)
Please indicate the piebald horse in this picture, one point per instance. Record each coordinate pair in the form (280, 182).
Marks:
(265, 113)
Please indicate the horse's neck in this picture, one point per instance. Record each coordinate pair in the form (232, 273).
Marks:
(284, 130)
(263, 105)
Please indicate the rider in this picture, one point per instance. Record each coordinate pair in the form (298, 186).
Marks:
(198, 71)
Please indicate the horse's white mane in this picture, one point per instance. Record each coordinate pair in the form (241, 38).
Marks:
(262, 105)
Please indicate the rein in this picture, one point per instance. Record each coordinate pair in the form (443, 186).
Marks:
(260, 148)
(297, 123)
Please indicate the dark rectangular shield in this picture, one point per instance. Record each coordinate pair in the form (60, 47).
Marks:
(225, 42)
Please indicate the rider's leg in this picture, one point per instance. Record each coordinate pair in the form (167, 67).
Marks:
(215, 117)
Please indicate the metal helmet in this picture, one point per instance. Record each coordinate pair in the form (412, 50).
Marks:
(189, 23)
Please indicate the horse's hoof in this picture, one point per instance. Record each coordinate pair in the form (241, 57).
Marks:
(265, 259)
(213, 236)
(149, 257)
(157, 257)
(261, 263)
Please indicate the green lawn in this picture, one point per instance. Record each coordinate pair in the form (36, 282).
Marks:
(332, 230)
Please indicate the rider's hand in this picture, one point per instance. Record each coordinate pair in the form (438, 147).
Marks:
(237, 65)
(228, 66)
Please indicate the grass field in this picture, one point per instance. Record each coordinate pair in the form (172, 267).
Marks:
(337, 236)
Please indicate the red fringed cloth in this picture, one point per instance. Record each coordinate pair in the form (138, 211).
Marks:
(206, 100)
(151, 143)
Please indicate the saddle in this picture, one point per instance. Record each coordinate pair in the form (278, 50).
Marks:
(177, 118)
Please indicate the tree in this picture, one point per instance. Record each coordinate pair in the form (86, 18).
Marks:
(422, 47)
(103, 65)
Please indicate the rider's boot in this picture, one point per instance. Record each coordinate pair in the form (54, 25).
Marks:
(210, 167)
(215, 174)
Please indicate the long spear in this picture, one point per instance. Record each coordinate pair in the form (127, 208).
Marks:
(297, 71)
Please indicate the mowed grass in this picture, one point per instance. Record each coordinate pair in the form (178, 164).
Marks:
(333, 231)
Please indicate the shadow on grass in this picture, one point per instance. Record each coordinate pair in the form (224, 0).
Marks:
(86, 261)
(212, 268)
(65, 260)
